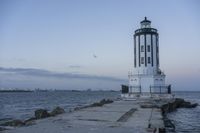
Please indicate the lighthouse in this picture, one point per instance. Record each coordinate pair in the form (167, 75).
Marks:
(146, 77)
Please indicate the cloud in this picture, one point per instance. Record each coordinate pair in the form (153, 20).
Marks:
(45, 73)
(75, 66)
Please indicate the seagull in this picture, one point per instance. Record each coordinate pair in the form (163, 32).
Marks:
(94, 56)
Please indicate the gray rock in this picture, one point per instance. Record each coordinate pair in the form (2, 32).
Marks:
(171, 106)
(41, 113)
(177, 103)
(101, 103)
(169, 125)
(14, 123)
(162, 130)
(57, 111)
(106, 101)
(189, 105)
(29, 121)
(1, 129)
(96, 104)
(194, 105)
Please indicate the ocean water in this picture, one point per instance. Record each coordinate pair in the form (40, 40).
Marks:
(187, 120)
(22, 105)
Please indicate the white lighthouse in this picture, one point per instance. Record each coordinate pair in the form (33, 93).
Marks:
(146, 77)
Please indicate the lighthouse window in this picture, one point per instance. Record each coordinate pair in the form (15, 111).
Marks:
(148, 48)
(142, 48)
(149, 60)
(142, 60)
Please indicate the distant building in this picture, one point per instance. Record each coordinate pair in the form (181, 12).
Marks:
(146, 77)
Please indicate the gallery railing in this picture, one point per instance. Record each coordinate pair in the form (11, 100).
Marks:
(130, 89)
(160, 89)
(135, 89)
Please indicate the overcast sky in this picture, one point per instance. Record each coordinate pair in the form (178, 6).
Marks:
(82, 44)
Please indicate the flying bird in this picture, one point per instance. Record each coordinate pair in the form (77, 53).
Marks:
(94, 56)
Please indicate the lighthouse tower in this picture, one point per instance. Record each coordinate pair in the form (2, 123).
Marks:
(146, 76)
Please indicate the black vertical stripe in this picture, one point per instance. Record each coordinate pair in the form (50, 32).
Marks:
(135, 51)
(145, 46)
(151, 50)
(156, 53)
(139, 49)
(157, 50)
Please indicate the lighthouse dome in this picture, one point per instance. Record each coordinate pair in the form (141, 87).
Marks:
(145, 23)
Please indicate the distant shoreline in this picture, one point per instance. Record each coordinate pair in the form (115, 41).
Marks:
(2, 91)
(10, 91)
(41, 90)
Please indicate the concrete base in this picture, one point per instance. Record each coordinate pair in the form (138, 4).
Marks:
(146, 95)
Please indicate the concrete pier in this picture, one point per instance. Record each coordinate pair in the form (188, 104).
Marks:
(138, 116)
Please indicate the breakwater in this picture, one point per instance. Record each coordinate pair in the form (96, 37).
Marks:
(142, 115)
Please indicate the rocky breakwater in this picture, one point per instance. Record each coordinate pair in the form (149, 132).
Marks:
(172, 106)
(43, 113)
(96, 104)
(39, 114)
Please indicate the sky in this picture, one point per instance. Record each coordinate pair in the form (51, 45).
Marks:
(81, 44)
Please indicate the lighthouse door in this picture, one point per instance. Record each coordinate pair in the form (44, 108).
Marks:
(145, 84)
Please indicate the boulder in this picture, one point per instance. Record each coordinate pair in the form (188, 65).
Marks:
(189, 105)
(1, 129)
(194, 105)
(41, 113)
(177, 103)
(29, 121)
(106, 101)
(162, 130)
(169, 125)
(56, 111)
(96, 104)
(101, 103)
(181, 103)
(14, 123)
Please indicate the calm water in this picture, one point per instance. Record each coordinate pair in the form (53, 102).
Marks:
(22, 105)
(187, 120)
